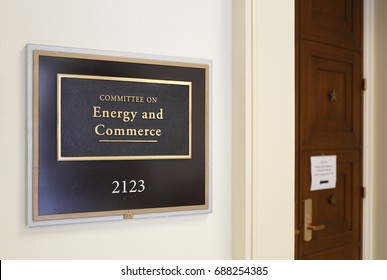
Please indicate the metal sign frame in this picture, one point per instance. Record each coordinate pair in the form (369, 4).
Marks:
(113, 180)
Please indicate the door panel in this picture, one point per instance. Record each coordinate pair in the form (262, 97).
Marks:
(335, 21)
(337, 209)
(340, 253)
(330, 104)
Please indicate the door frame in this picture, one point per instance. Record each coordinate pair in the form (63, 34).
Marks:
(257, 234)
(368, 126)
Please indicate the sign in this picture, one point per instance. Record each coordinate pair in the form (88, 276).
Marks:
(324, 172)
(116, 135)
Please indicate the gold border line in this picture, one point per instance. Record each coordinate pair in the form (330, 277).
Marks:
(127, 157)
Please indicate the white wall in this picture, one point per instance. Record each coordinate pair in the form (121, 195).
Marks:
(380, 137)
(189, 28)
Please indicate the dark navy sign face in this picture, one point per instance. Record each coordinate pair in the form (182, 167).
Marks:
(115, 118)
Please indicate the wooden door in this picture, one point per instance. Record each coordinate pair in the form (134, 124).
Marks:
(329, 120)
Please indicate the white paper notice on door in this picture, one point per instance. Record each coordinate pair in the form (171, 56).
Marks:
(324, 172)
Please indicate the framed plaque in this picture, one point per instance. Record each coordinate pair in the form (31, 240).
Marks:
(116, 135)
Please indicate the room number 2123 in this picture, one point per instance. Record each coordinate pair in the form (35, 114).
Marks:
(132, 186)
